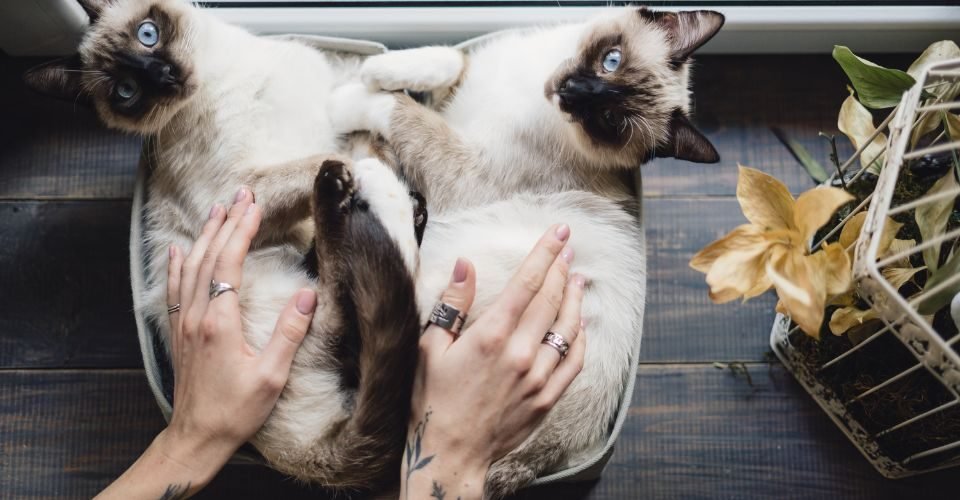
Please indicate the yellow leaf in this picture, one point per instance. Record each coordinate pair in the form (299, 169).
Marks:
(856, 122)
(953, 125)
(765, 201)
(741, 237)
(896, 246)
(846, 318)
(816, 207)
(936, 52)
(932, 217)
(851, 230)
(899, 276)
(801, 289)
(737, 270)
(835, 266)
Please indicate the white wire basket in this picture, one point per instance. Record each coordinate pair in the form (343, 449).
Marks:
(895, 389)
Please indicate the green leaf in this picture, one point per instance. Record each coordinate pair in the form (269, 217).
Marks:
(933, 303)
(813, 167)
(877, 87)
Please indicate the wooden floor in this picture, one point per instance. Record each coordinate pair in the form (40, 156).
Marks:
(75, 409)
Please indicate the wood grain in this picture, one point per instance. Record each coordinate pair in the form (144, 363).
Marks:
(737, 99)
(65, 298)
(57, 149)
(692, 432)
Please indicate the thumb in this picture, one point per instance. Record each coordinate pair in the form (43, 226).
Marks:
(290, 330)
(459, 294)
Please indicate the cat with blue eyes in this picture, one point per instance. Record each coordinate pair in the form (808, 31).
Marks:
(529, 128)
(221, 108)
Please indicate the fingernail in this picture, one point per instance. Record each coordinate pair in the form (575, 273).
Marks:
(173, 251)
(580, 280)
(563, 232)
(567, 255)
(460, 271)
(250, 209)
(583, 323)
(306, 301)
(241, 194)
(214, 211)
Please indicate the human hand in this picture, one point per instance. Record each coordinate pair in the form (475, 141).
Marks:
(223, 389)
(479, 396)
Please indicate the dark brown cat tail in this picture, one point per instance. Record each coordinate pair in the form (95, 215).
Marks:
(365, 451)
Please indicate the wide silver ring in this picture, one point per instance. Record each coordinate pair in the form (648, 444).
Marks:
(555, 341)
(174, 308)
(217, 289)
(447, 317)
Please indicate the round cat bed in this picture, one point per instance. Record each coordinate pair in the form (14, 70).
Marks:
(160, 372)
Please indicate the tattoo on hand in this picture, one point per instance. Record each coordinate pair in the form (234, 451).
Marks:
(413, 460)
(438, 492)
(175, 492)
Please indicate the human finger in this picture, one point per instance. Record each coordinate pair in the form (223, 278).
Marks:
(459, 295)
(174, 264)
(228, 266)
(567, 370)
(191, 265)
(241, 201)
(528, 280)
(543, 309)
(292, 327)
(567, 326)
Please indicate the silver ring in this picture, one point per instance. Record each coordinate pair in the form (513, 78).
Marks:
(555, 341)
(447, 317)
(217, 289)
(174, 308)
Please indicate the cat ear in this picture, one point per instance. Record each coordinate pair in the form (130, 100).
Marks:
(687, 31)
(687, 143)
(93, 8)
(59, 78)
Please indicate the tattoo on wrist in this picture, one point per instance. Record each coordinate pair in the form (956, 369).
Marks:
(438, 492)
(414, 447)
(175, 492)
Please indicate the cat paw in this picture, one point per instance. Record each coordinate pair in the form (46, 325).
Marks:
(334, 186)
(420, 70)
(505, 477)
(353, 107)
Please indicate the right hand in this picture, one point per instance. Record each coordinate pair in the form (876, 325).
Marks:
(480, 395)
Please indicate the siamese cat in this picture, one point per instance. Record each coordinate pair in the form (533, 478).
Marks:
(222, 108)
(532, 128)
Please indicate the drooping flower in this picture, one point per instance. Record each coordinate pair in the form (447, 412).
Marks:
(773, 250)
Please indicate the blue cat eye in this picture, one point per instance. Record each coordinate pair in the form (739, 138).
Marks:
(148, 34)
(611, 61)
(127, 88)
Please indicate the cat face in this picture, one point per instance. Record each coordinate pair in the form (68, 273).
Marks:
(134, 64)
(626, 90)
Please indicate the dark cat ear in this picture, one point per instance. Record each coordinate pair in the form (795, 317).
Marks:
(93, 8)
(59, 78)
(687, 143)
(687, 30)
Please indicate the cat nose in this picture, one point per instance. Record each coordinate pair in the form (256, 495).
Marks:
(576, 89)
(162, 73)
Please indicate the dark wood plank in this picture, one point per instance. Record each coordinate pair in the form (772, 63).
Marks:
(693, 432)
(682, 324)
(698, 432)
(65, 298)
(56, 149)
(737, 98)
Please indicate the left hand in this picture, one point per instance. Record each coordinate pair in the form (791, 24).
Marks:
(224, 390)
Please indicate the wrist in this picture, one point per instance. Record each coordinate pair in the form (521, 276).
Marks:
(197, 455)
